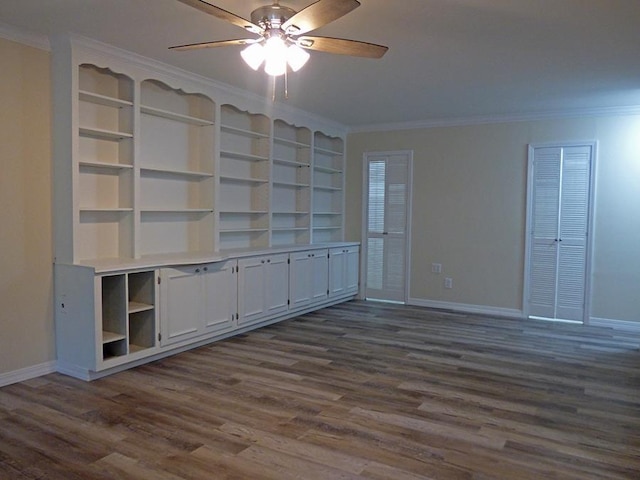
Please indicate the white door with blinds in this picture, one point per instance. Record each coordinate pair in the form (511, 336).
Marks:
(560, 186)
(387, 209)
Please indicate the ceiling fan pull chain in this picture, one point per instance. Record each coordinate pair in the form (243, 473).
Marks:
(286, 85)
(273, 89)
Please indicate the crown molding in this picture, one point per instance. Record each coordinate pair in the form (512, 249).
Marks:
(20, 35)
(489, 119)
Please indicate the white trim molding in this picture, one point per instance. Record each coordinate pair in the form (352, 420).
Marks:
(468, 308)
(625, 325)
(27, 373)
(19, 35)
(492, 119)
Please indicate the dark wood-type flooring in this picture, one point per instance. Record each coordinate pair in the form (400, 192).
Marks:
(360, 390)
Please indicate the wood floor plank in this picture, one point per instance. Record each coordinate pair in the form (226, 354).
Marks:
(359, 390)
(225, 466)
(393, 451)
(299, 449)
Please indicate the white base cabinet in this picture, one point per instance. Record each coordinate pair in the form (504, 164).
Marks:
(197, 300)
(260, 288)
(308, 278)
(104, 320)
(344, 265)
(115, 317)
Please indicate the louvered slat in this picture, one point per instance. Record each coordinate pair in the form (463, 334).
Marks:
(377, 174)
(575, 195)
(375, 263)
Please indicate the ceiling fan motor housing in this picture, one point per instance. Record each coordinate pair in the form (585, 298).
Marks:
(271, 16)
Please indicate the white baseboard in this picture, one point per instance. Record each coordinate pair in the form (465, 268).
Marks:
(27, 373)
(72, 370)
(615, 324)
(467, 308)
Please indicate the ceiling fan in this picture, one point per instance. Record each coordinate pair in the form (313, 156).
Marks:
(280, 30)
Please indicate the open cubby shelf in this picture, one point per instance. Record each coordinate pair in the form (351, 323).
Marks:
(98, 99)
(128, 313)
(148, 170)
(103, 134)
(175, 116)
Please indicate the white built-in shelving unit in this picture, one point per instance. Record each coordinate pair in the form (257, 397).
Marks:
(328, 187)
(244, 179)
(104, 168)
(291, 185)
(177, 203)
(158, 174)
(176, 170)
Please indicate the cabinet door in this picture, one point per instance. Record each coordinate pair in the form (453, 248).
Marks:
(181, 312)
(251, 289)
(277, 283)
(219, 295)
(344, 265)
(337, 259)
(300, 279)
(352, 270)
(319, 276)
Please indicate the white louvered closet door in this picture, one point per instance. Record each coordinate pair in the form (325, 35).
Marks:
(387, 217)
(560, 182)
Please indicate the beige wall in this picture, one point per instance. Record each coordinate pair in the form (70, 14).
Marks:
(26, 313)
(469, 208)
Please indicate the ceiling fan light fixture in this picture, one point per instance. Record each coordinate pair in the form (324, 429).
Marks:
(275, 52)
(296, 57)
(253, 55)
(276, 55)
(282, 43)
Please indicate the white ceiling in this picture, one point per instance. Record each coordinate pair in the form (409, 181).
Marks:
(447, 59)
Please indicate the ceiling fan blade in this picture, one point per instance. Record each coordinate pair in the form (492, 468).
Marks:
(342, 46)
(221, 43)
(222, 14)
(318, 14)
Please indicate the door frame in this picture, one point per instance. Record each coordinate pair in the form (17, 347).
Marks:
(590, 216)
(365, 222)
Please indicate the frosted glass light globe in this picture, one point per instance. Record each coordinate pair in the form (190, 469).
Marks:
(275, 52)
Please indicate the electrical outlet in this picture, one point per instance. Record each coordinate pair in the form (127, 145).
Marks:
(436, 268)
(448, 282)
(62, 302)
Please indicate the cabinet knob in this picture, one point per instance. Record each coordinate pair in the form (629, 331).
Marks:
(261, 261)
(206, 268)
(197, 270)
(269, 261)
